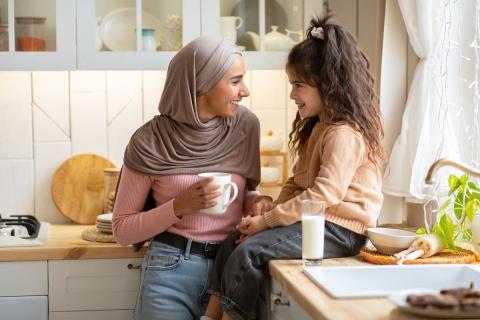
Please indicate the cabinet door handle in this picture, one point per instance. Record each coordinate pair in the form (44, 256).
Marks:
(277, 299)
(134, 266)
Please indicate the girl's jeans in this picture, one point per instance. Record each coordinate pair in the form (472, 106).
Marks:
(239, 270)
(173, 284)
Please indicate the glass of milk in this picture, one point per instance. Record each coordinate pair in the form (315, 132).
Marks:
(313, 226)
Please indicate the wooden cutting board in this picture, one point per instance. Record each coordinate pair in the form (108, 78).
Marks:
(77, 187)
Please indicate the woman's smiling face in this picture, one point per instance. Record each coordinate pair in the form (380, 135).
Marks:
(306, 97)
(223, 99)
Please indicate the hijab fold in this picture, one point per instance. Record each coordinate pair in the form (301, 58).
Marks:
(177, 141)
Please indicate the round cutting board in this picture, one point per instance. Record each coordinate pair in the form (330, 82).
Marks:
(77, 187)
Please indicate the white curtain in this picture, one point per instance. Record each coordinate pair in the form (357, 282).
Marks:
(426, 134)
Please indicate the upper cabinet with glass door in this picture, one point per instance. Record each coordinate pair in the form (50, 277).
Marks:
(134, 34)
(265, 29)
(37, 34)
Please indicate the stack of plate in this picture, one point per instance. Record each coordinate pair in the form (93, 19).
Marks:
(104, 223)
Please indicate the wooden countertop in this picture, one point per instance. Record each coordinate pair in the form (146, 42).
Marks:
(65, 243)
(319, 305)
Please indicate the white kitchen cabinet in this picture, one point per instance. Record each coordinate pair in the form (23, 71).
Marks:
(30, 278)
(92, 315)
(110, 32)
(55, 46)
(92, 285)
(23, 290)
(284, 307)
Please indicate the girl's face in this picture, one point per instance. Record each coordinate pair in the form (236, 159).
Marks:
(223, 99)
(306, 97)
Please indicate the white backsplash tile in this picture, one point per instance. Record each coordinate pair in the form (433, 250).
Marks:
(16, 186)
(153, 83)
(89, 123)
(46, 129)
(121, 129)
(124, 88)
(87, 81)
(268, 89)
(15, 115)
(48, 157)
(15, 88)
(51, 97)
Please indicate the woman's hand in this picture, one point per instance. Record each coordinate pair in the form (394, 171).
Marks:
(251, 225)
(198, 196)
(261, 205)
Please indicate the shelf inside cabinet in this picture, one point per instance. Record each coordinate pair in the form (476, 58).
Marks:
(284, 164)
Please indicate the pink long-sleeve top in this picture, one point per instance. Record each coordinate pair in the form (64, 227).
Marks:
(131, 224)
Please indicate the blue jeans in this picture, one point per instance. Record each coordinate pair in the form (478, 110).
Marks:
(173, 285)
(240, 271)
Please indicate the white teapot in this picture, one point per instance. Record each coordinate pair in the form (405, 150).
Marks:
(276, 41)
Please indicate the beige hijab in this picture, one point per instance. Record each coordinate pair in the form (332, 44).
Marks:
(177, 141)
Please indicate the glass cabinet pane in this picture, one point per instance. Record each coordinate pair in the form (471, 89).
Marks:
(116, 25)
(3, 25)
(35, 25)
(163, 26)
(283, 24)
(239, 21)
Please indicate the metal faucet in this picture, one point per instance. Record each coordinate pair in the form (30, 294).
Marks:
(448, 162)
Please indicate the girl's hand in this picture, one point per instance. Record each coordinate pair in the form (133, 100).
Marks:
(198, 196)
(261, 205)
(250, 226)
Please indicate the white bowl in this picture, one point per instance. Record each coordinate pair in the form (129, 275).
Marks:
(390, 241)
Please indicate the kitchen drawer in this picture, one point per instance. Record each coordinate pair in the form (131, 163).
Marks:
(284, 307)
(92, 315)
(101, 284)
(24, 308)
(27, 278)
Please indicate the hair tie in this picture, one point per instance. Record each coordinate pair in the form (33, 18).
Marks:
(318, 33)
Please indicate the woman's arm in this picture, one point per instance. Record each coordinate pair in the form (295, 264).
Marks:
(130, 223)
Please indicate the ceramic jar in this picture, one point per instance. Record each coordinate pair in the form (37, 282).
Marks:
(271, 142)
(269, 174)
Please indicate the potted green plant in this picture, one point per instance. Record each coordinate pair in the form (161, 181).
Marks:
(456, 215)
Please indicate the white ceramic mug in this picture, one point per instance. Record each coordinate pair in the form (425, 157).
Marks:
(224, 180)
(229, 26)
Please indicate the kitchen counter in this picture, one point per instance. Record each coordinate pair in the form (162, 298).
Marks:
(65, 243)
(319, 305)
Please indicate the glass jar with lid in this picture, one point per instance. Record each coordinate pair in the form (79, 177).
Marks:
(30, 33)
(111, 176)
(3, 37)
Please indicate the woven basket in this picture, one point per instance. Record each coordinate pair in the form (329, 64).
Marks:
(446, 257)
(93, 234)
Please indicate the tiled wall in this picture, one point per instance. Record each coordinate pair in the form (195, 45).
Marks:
(47, 117)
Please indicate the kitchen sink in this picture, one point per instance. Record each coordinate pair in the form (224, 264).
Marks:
(378, 281)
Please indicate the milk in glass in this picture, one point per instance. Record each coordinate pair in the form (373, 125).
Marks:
(313, 231)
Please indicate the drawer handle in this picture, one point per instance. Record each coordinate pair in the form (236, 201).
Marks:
(134, 266)
(278, 300)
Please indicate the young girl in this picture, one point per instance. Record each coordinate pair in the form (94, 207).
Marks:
(337, 138)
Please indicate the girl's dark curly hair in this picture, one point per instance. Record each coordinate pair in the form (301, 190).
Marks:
(339, 70)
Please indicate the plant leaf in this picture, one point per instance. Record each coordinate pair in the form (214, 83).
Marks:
(421, 231)
(453, 183)
(444, 207)
(458, 205)
(470, 209)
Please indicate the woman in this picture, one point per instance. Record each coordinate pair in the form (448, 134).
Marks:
(201, 128)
